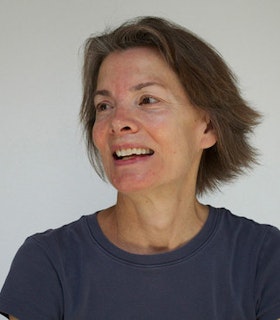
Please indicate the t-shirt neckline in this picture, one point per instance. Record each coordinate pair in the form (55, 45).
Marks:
(171, 257)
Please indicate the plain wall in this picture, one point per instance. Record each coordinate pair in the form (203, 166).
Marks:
(45, 177)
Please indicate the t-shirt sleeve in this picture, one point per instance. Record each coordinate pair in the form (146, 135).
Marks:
(268, 278)
(32, 289)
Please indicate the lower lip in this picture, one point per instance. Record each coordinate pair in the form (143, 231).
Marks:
(132, 160)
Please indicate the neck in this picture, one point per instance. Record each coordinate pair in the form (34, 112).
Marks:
(153, 222)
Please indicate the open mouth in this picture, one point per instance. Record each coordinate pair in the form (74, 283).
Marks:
(125, 154)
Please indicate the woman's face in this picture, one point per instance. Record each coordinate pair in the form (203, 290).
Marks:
(147, 132)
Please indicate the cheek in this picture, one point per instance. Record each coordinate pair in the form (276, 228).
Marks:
(187, 138)
(97, 136)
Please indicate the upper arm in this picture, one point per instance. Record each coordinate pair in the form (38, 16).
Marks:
(32, 288)
(268, 277)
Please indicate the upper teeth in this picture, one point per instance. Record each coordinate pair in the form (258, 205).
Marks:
(131, 151)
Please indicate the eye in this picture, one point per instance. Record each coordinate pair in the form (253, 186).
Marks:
(103, 106)
(148, 100)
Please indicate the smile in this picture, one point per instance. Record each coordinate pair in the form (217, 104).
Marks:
(130, 152)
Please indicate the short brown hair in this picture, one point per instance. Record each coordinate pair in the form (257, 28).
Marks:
(209, 84)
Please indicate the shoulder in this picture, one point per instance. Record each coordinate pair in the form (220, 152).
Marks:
(60, 241)
(46, 260)
(49, 254)
(247, 228)
(72, 229)
(245, 237)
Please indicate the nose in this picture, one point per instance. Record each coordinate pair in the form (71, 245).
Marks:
(123, 121)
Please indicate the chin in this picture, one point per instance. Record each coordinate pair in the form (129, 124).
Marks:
(131, 185)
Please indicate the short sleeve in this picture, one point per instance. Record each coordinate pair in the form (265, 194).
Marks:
(32, 289)
(268, 277)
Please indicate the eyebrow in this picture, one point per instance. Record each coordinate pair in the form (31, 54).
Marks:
(145, 84)
(105, 93)
(137, 87)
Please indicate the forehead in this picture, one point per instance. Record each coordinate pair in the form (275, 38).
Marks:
(127, 67)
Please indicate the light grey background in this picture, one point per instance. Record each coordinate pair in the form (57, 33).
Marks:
(45, 177)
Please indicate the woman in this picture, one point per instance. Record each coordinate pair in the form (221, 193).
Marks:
(164, 122)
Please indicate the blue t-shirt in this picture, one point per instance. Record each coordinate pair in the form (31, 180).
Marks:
(229, 270)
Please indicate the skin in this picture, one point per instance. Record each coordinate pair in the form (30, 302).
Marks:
(141, 103)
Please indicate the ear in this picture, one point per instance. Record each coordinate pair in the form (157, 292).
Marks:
(209, 137)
